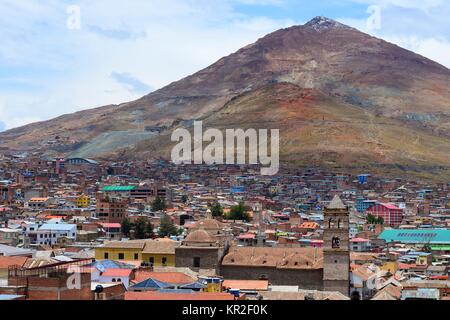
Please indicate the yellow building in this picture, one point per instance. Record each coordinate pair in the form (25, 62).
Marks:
(389, 266)
(83, 201)
(158, 253)
(120, 250)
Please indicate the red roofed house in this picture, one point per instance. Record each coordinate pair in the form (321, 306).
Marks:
(113, 230)
(359, 244)
(391, 214)
(247, 239)
(116, 276)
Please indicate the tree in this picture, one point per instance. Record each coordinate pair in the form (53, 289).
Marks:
(371, 219)
(149, 230)
(184, 198)
(167, 227)
(140, 228)
(159, 204)
(126, 227)
(216, 210)
(239, 212)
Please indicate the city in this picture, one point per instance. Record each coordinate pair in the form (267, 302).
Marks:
(153, 230)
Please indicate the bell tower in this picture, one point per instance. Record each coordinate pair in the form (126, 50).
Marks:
(336, 254)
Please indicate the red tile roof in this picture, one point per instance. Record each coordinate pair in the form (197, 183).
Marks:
(5, 262)
(246, 284)
(117, 273)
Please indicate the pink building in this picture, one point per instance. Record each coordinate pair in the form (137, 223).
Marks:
(391, 214)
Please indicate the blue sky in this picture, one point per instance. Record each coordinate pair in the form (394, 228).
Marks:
(125, 49)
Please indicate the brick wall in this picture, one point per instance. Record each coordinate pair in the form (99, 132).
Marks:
(305, 279)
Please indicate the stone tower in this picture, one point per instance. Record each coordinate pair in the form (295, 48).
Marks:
(336, 254)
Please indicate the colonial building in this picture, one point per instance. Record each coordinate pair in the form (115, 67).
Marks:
(199, 250)
(336, 271)
(326, 268)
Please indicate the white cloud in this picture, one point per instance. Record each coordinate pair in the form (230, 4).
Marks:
(53, 70)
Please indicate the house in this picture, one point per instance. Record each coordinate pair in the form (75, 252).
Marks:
(437, 271)
(359, 244)
(120, 250)
(116, 275)
(159, 252)
(50, 233)
(113, 231)
(9, 236)
(37, 203)
(363, 280)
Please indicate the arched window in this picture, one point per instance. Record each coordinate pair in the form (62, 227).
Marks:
(335, 242)
(330, 223)
(114, 280)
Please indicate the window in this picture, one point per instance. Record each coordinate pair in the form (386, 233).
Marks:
(335, 242)
(196, 262)
(136, 256)
(121, 256)
(106, 255)
(152, 261)
(164, 261)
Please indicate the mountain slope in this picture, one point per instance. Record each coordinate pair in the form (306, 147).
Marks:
(372, 102)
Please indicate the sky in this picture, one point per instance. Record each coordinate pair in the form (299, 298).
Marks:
(59, 56)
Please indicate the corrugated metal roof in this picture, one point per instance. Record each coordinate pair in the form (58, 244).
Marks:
(118, 188)
(435, 236)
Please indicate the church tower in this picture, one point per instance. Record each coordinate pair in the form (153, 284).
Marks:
(336, 254)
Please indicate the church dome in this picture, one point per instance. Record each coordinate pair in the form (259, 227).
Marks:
(209, 224)
(199, 236)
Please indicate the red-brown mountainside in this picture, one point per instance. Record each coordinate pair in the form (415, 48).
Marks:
(347, 97)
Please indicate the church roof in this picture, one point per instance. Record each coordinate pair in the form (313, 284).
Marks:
(282, 258)
(199, 236)
(336, 203)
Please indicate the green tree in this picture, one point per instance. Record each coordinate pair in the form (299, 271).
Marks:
(149, 230)
(371, 219)
(167, 227)
(239, 212)
(126, 227)
(159, 204)
(184, 198)
(216, 209)
(140, 228)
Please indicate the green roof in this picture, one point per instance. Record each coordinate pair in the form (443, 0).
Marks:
(118, 188)
(432, 236)
(440, 247)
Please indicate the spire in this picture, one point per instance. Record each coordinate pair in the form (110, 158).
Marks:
(336, 203)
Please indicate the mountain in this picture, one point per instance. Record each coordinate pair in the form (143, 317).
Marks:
(341, 98)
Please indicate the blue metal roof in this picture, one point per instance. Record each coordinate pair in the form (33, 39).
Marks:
(194, 285)
(102, 265)
(152, 284)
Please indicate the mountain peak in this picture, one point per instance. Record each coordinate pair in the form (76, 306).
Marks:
(323, 23)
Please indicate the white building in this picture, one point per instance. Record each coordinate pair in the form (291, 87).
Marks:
(50, 233)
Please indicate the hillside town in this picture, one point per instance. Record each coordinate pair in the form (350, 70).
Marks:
(79, 229)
